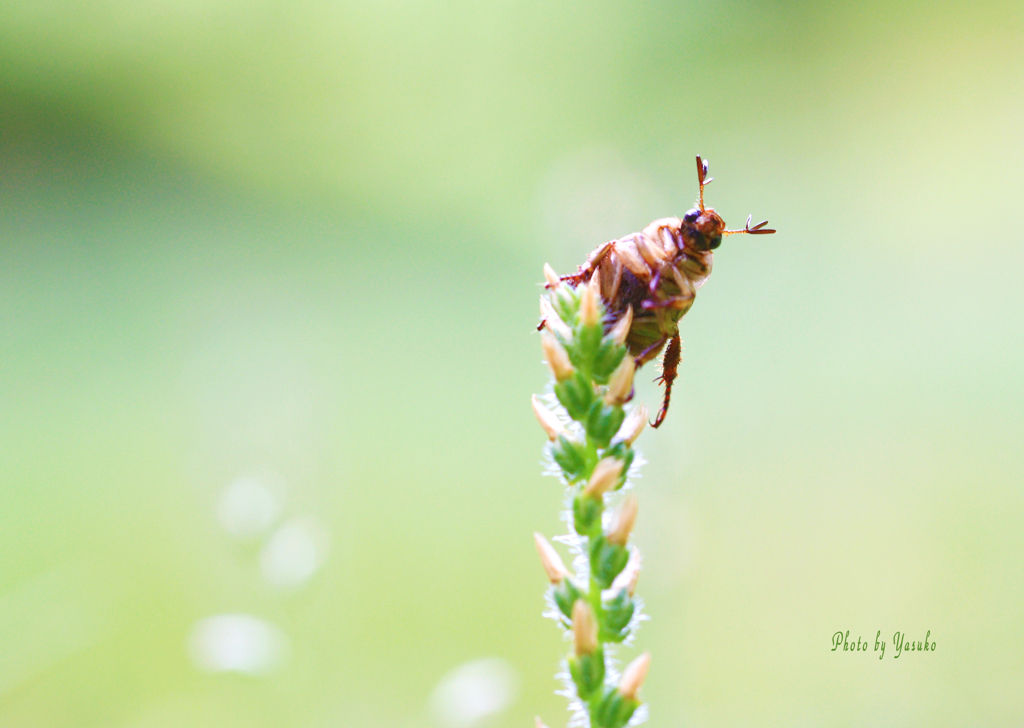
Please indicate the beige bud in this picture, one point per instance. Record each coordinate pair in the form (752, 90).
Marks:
(550, 560)
(538, 723)
(623, 521)
(584, 628)
(628, 577)
(620, 330)
(556, 356)
(634, 675)
(551, 277)
(590, 311)
(620, 384)
(547, 419)
(552, 320)
(605, 477)
(633, 425)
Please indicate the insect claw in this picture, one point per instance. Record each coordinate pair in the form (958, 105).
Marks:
(749, 218)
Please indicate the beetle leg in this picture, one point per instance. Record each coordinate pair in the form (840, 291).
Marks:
(653, 285)
(650, 352)
(669, 369)
(677, 302)
(587, 269)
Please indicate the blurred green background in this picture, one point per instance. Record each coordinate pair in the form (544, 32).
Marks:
(268, 284)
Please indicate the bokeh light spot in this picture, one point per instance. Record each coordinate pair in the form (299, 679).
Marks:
(294, 553)
(248, 507)
(473, 691)
(237, 643)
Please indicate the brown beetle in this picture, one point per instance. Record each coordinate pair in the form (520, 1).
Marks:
(655, 274)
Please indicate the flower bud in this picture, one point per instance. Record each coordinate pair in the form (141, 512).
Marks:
(603, 422)
(633, 426)
(607, 560)
(556, 356)
(590, 311)
(623, 520)
(584, 628)
(550, 560)
(547, 419)
(628, 577)
(551, 277)
(565, 595)
(538, 723)
(553, 321)
(586, 513)
(620, 330)
(633, 676)
(570, 456)
(620, 385)
(618, 611)
(605, 477)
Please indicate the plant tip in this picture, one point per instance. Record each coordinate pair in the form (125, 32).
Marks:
(556, 357)
(620, 330)
(605, 477)
(550, 560)
(590, 311)
(623, 521)
(551, 277)
(633, 425)
(552, 321)
(634, 675)
(620, 385)
(584, 628)
(547, 419)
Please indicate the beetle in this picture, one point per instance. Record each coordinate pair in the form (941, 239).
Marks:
(655, 274)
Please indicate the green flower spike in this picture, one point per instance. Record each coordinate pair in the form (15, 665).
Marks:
(590, 446)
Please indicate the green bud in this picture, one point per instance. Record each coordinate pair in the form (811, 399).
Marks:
(588, 342)
(603, 421)
(586, 512)
(616, 615)
(577, 396)
(566, 301)
(606, 560)
(587, 672)
(571, 457)
(565, 595)
(607, 358)
(614, 710)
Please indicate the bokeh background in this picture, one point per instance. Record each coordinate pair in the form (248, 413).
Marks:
(268, 285)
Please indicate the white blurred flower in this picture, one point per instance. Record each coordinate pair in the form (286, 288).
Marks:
(237, 643)
(248, 507)
(294, 553)
(473, 691)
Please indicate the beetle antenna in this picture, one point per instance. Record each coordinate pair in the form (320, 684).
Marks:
(702, 178)
(758, 229)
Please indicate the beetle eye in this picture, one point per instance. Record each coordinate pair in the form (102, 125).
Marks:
(691, 216)
(715, 242)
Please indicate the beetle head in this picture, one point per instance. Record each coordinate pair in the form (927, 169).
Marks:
(702, 229)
